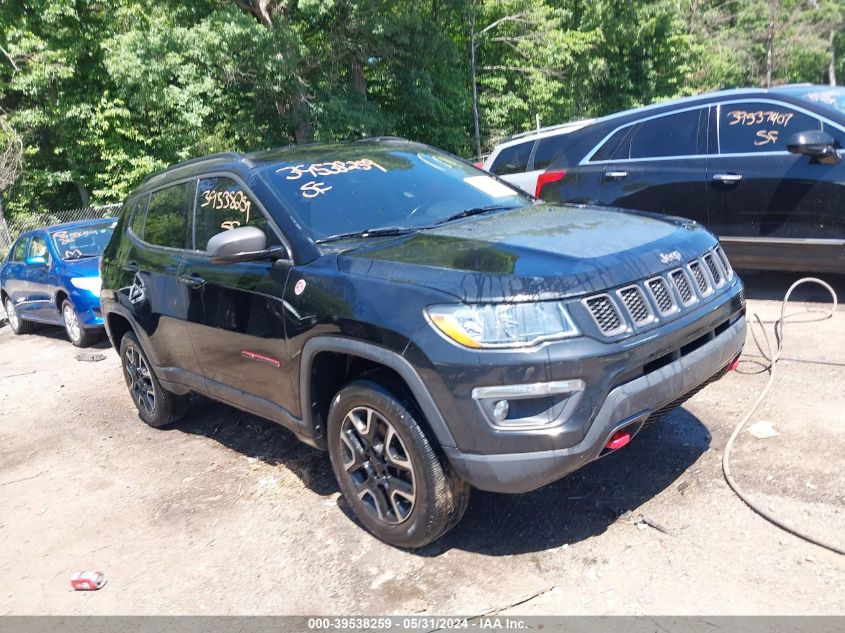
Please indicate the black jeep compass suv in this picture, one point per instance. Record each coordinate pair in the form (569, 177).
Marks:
(429, 325)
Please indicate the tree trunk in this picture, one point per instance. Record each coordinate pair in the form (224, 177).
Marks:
(831, 71)
(770, 38)
(359, 81)
(476, 128)
(83, 195)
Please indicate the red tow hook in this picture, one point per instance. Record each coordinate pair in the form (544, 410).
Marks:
(618, 440)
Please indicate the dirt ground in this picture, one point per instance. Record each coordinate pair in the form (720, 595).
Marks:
(228, 514)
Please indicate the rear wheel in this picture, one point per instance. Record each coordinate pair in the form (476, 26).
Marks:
(156, 406)
(18, 325)
(77, 334)
(387, 470)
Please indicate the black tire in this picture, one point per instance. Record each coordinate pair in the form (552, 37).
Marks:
(156, 406)
(18, 325)
(369, 478)
(77, 334)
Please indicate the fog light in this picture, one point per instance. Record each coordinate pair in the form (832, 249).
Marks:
(500, 410)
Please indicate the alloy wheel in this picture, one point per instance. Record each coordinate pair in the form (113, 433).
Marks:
(74, 330)
(378, 465)
(12, 314)
(139, 379)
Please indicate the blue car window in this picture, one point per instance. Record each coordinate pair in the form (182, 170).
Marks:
(38, 248)
(19, 251)
(83, 241)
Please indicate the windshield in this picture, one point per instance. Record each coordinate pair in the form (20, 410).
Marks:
(83, 241)
(358, 187)
(831, 99)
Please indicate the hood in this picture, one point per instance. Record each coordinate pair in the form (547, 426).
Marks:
(538, 252)
(86, 267)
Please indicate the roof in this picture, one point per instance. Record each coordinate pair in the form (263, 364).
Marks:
(69, 225)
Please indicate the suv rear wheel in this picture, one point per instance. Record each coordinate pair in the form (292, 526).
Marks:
(387, 469)
(156, 406)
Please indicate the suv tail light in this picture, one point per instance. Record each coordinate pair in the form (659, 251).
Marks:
(547, 177)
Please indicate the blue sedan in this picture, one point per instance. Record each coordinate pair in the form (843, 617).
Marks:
(51, 275)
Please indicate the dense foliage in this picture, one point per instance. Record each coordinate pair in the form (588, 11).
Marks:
(101, 93)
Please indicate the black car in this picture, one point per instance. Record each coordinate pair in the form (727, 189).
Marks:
(429, 325)
(760, 168)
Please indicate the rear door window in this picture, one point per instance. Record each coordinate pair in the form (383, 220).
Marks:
(754, 126)
(223, 204)
(513, 159)
(167, 216)
(665, 136)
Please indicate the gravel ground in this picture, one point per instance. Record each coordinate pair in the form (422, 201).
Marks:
(228, 514)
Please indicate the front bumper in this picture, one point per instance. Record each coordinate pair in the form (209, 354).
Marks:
(626, 406)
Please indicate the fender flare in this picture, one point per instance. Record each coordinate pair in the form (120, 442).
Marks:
(377, 354)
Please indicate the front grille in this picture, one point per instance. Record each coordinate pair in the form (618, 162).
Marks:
(633, 307)
(662, 295)
(679, 278)
(636, 305)
(714, 270)
(605, 314)
(700, 279)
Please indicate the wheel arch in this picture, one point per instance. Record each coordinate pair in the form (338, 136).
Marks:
(117, 325)
(320, 378)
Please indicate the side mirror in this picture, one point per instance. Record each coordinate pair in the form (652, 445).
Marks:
(817, 144)
(36, 262)
(243, 244)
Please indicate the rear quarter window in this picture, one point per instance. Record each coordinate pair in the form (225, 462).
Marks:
(512, 159)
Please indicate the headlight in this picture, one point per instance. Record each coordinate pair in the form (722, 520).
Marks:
(502, 325)
(91, 284)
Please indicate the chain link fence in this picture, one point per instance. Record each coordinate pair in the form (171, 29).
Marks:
(11, 228)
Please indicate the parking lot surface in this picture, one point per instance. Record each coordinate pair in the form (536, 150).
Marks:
(229, 514)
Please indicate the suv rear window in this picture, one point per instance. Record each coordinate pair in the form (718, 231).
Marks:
(760, 127)
(513, 159)
(167, 216)
(549, 149)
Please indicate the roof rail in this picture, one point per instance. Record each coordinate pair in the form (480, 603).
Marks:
(548, 128)
(192, 161)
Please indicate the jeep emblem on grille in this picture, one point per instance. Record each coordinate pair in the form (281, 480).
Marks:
(666, 258)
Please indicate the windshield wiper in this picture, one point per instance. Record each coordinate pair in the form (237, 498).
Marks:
(83, 256)
(477, 211)
(377, 232)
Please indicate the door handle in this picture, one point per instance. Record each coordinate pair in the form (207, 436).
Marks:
(727, 178)
(132, 267)
(616, 175)
(192, 281)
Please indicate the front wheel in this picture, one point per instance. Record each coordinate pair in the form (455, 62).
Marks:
(387, 469)
(156, 406)
(77, 334)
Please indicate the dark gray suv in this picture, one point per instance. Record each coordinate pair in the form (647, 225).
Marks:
(430, 326)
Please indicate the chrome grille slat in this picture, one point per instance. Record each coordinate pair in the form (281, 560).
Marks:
(715, 271)
(605, 314)
(636, 305)
(700, 278)
(725, 263)
(682, 285)
(662, 295)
